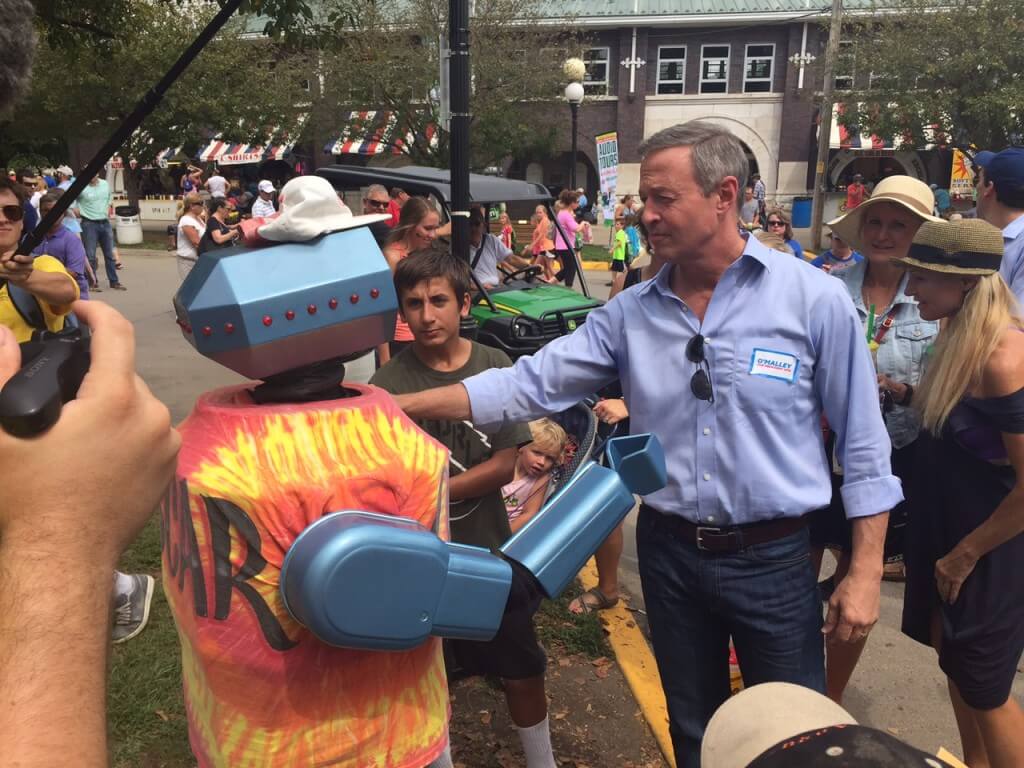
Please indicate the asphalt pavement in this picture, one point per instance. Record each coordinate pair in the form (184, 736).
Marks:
(897, 686)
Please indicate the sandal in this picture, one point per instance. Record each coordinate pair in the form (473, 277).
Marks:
(601, 602)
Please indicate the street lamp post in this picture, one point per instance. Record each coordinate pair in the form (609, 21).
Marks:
(574, 95)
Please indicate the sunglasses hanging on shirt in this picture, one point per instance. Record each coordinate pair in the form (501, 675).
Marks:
(700, 382)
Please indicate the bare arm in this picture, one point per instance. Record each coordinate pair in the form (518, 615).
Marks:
(532, 506)
(485, 477)
(56, 288)
(1003, 375)
(192, 234)
(223, 237)
(58, 551)
(449, 403)
(853, 607)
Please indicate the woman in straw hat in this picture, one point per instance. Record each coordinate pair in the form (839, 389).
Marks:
(881, 228)
(965, 542)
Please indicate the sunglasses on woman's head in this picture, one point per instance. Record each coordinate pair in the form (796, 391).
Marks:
(700, 382)
(13, 212)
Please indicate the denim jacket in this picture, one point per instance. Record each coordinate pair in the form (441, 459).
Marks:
(902, 351)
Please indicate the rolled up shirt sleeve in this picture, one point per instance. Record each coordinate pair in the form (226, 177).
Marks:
(847, 386)
(552, 380)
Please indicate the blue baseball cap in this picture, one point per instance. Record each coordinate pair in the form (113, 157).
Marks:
(1004, 169)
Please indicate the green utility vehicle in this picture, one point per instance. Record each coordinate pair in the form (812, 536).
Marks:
(523, 313)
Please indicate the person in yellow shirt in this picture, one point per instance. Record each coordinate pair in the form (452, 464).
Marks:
(42, 276)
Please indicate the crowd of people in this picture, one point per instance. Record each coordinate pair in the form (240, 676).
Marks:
(868, 402)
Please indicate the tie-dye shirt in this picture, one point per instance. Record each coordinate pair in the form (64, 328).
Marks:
(260, 690)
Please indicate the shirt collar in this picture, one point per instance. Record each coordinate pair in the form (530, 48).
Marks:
(1014, 229)
(754, 250)
(854, 278)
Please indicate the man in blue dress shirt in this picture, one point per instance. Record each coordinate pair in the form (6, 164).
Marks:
(730, 355)
(1000, 183)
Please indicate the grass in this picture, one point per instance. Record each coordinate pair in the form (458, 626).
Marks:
(145, 707)
(593, 252)
(569, 633)
(148, 727)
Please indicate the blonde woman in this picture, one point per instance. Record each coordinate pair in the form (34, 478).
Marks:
(191, 228)
(965, 543)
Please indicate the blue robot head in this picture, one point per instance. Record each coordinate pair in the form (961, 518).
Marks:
(262, 311)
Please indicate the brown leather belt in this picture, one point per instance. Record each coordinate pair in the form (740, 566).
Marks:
(731, 539)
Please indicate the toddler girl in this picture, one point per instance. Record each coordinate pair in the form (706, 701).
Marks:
(525, 494)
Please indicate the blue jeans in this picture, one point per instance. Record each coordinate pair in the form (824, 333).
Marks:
(764, 597)
(101, 232)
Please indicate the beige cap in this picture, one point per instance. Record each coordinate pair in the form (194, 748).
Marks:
(759, 717)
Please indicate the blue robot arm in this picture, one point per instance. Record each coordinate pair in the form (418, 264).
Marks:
(362, 580)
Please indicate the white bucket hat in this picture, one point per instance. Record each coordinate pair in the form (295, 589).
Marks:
(905, 191)
(759, 717)
(309, 208)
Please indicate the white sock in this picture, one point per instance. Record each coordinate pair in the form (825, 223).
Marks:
(444, 760)
(122, 583)
(536, 741)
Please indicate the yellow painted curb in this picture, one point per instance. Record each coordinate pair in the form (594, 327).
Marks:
(604, 266)
(637, 664)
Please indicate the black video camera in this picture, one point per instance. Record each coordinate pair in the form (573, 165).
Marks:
(53, 365)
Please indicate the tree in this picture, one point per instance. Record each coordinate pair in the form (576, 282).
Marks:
(940, 71)
(386, 59)
(248, 89)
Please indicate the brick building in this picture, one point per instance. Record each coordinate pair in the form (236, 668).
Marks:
(655, 63)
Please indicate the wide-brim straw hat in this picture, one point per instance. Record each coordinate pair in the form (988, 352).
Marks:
(309, 208)
(964, 247)
(907, 192)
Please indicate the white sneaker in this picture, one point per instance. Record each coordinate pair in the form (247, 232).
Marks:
(131, 610)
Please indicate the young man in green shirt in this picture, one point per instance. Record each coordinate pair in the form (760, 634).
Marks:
(433, 290)
(94, 207)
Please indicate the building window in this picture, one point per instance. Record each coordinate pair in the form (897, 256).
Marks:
(671, 69)
(757, 68)
(714, 69)
(845, 63)
(596, 81)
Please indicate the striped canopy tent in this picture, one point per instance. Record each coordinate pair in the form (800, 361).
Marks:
(845, 138)
(229, 153)
(370, 133)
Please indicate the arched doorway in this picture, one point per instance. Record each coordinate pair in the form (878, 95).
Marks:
(872, 166)
(752, 166)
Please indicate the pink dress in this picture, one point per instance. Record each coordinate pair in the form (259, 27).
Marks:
(518, 492)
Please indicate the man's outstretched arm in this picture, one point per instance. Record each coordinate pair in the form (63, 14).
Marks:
(449, 403)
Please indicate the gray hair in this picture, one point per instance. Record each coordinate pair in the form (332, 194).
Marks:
(715, 151)
(380, 188)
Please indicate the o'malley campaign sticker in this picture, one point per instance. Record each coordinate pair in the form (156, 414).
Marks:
(774, 365)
